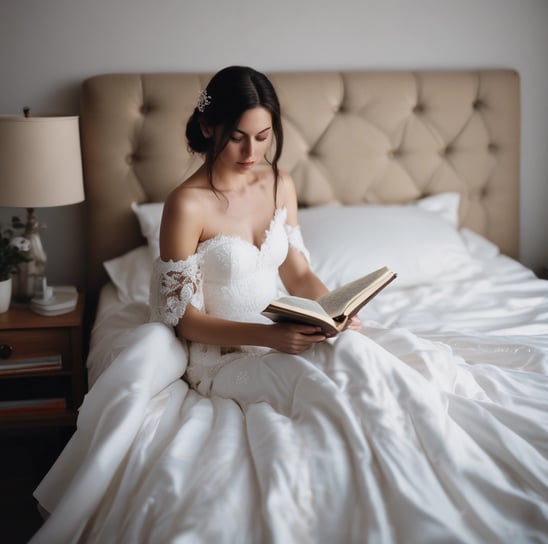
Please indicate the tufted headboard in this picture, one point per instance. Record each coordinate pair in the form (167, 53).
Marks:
(350, 137)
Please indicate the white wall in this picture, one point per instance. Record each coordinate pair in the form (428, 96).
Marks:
(48, 46)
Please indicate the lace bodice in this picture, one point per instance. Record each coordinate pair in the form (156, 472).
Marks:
(227, 277)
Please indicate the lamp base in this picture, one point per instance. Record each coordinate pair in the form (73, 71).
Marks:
(31, 275)
(56, 301)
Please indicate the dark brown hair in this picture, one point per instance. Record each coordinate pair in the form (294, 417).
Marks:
(232, 91)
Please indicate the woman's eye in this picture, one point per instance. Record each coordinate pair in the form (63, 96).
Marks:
(238, 139)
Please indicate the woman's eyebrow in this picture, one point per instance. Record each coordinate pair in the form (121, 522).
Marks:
(245, 134)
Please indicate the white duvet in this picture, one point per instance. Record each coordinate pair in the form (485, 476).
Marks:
(439, 435)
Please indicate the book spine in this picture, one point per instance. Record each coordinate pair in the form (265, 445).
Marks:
(25, 366)
(33, 406)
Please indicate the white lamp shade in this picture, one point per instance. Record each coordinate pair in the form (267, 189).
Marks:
(40, 162)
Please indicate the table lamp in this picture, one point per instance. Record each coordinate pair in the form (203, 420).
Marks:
(40, 166)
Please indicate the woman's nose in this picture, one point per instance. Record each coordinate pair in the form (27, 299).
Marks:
(248, 148)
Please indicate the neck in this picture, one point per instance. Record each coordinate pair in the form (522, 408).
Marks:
(232, 183)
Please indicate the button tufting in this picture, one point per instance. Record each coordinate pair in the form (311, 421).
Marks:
(419, 108)
(492, 148)
(145, 108)
(447, 150)
(478, 104)
(394, 153)
(132, 158)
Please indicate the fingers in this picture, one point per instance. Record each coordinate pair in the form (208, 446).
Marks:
(308, 337)
(296, 338)
(354, 323)
(308, 334)
(307, 329)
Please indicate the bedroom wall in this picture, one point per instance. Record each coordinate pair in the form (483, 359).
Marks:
(48, 48)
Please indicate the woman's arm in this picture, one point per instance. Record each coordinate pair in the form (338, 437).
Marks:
(295, 272)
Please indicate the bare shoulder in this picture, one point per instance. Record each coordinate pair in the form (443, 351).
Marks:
(184, 200)
(286, 193)
(182, 221)
(191, 197)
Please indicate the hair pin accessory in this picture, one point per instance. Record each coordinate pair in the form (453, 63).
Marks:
(203, 100)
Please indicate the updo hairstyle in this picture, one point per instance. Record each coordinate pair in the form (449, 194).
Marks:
(231, 92)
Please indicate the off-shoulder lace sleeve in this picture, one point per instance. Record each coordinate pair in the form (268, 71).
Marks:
(295, 239)
(174, 285)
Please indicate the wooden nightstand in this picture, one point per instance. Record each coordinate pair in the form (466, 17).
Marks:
(42, 370)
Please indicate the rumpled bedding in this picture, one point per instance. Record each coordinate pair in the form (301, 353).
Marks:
(440, 435)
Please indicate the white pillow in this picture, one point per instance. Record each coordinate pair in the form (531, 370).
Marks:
(131, 273)
(149, 216)
(418, 241)
(445, 205)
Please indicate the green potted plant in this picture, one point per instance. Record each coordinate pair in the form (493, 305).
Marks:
(13, 252)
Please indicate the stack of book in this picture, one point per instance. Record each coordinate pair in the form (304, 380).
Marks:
(30, 406)
(41, 404)
(30, 366)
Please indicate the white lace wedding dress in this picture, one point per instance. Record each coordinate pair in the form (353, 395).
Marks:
(378, 437)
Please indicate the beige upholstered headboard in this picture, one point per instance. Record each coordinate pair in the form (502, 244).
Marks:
(350, 137)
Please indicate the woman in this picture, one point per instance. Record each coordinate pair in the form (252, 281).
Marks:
(226, 233)
(235, 201)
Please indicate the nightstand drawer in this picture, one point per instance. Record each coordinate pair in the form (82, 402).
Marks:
(18, 345)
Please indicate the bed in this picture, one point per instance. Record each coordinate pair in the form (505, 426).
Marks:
(416, 170)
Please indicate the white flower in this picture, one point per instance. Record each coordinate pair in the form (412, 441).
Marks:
(20, 242)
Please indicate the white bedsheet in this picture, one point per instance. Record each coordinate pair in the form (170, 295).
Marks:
(155, 462)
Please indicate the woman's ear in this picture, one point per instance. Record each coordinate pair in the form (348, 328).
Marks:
(207, 131)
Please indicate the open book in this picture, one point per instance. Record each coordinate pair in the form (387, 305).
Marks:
(333, 310)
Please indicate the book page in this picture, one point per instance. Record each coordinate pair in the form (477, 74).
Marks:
(305, 305)
(349, 298)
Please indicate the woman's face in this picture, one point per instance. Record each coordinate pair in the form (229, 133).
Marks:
(249, 141)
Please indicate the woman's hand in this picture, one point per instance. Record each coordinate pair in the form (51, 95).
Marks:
(354, 323)
(293, 338)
